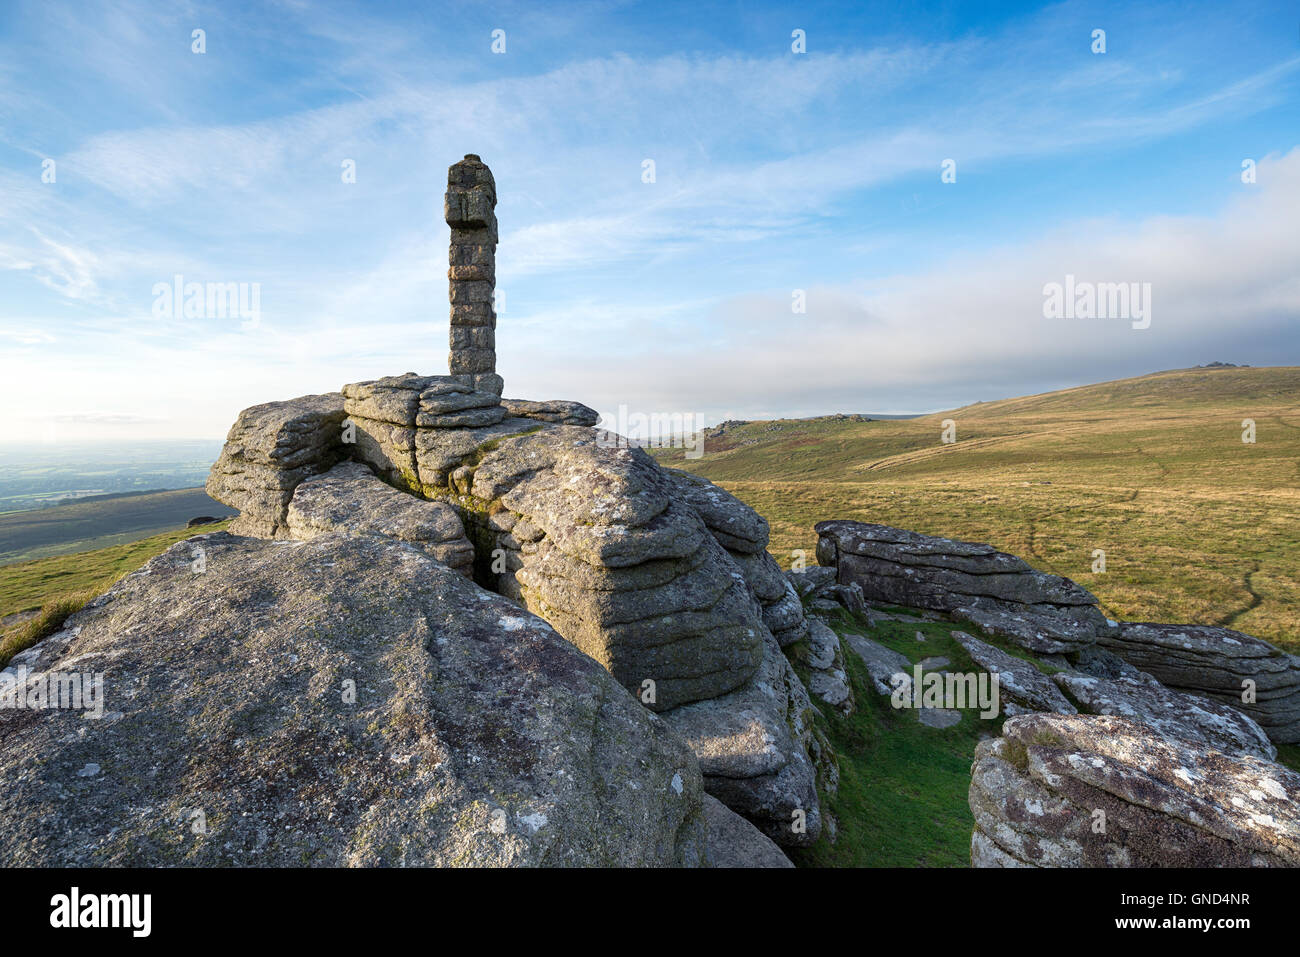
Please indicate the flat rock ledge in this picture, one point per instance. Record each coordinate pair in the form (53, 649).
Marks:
(1096, 791)
(341, 701)
(1220, 664)
(997, 592)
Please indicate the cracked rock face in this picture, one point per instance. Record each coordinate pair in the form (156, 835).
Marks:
(1043, 613)
(1218, 663)
(1092, 791)
(474, 734)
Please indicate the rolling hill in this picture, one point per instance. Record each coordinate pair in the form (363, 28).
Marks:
(1196, 525)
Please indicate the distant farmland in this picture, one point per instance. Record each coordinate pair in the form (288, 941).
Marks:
(100, 522)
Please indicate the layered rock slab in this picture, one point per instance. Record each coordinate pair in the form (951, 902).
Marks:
(349, 498)
(994, 590)
(745, 534)
(1221, 664)
(475, 735)
(1094, 791)
(558, 411)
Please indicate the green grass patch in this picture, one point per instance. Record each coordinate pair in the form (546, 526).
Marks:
(34, 585)
(901, 800)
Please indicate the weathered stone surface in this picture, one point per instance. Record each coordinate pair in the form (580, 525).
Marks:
(559, 411)
(1043, 629)
(811, 579)
(733, 523)
(598, 540)
(996, 591)
(1216, 663)
(416, 401)
(469, 208)
(1022, 688)
(477, 737)
(350, 499)
(618, 563)
(785, 618)
(268, 451)
(734, 842)
(753, 749)
(820, 652)
(1172, 714)
(1038, 791)
(744, 533)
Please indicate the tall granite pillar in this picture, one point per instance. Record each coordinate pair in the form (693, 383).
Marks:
(470, 212)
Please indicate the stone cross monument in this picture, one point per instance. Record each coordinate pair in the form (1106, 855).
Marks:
(469, 209)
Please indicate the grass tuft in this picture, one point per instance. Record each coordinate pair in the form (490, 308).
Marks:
(46, 622)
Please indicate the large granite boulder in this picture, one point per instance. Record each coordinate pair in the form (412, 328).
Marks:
(1238, 669)
(350, 499)
(660, 576)
(1173, 714)
(269, 450)
(996, 591)
(1091, 791)
(591, 535)
(341, 701)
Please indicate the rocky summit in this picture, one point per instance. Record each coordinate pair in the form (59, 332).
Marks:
(657, 575)
(453, 629)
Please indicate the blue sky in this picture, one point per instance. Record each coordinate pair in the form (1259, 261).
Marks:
(775, 172)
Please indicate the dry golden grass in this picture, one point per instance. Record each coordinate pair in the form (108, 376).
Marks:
(1197, 526)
